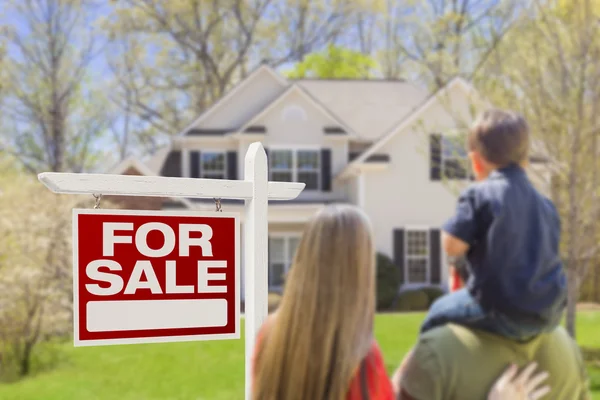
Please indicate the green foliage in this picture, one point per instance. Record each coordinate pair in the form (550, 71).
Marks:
(388, 282)
(335, 62)
(413, 300)
(205, 370)
(433, 293)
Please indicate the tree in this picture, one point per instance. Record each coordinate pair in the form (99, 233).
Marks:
(55, 115)
(35, 269)
(176, 58)
(435, 40)
(547, 69)
(335, 62)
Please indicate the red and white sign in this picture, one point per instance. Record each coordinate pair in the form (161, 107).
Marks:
(155, 276)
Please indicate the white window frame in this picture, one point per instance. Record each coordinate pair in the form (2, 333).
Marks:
(443, 158)
(286, 236)
(284, 170)
(408, 256)
(294, 170)
(212, 174)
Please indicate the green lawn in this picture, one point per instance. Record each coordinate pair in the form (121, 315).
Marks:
(209, 370)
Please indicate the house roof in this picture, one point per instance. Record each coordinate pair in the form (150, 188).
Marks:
(368, 107)
(408, 118)
(230, 93)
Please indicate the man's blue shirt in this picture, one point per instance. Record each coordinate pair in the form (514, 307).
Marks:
(513, 233)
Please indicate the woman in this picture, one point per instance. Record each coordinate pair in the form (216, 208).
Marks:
(319, 345)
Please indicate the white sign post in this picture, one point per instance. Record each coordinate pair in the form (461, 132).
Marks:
(255, 190)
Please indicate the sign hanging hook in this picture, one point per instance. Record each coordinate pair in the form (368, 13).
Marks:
(218, 206)
(97, 197)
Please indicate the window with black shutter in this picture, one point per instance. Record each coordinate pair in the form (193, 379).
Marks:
(195, 164)
(448, 157)
(398, 244)
(435, 257)
(435, 156)
(326, 170)
(232, 165)
(298, 165)
(417, 255)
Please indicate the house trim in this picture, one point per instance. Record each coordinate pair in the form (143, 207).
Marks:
(295, 88)
(243, 83)
(406, 122)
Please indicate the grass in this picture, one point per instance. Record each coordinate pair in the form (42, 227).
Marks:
(209, 370)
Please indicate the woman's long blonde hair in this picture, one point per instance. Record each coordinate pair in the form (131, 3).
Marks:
(324, 326)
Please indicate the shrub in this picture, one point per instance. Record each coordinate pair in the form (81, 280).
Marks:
(413, 300)
(388, 282)
(433, 293)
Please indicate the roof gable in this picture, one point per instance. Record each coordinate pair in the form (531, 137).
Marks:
(210, 119)
(412, 117)
(368, 107)
(337, 126)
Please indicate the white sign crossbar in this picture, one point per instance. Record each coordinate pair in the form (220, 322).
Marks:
(161, 186)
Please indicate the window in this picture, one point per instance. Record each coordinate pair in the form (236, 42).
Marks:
(296, 166)
(212, 165)
(282, 165)
(417, 256)
(455, 161)
(281, 254)
(308, 168)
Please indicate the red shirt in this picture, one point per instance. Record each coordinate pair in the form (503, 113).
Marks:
(378, 383)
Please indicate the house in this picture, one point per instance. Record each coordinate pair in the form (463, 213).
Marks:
(387, 146)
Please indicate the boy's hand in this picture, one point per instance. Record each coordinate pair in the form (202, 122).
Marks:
(453, 246)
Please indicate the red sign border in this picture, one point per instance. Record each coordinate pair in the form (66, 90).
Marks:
(158, 339)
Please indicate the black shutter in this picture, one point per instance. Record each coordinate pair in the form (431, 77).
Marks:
(232, 166)
(326, 170)
(435, 270)
(172, 165)
(435, 156)
(399, 252)
(195, 164)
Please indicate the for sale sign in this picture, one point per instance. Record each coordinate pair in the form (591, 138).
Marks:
(155, 276)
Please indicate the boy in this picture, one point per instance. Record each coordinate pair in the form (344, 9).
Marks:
(510, 235)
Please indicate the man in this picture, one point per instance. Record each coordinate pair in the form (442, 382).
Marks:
(452, 362)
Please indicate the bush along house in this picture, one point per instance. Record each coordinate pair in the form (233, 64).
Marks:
(388, 146)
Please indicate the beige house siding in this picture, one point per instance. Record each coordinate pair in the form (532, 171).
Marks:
(255, 94)
(403, 196)
(295, 122)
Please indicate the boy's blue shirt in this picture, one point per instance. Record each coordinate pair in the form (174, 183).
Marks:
(513, 232)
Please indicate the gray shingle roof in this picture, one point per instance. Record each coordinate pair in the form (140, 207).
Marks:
(369, 107)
